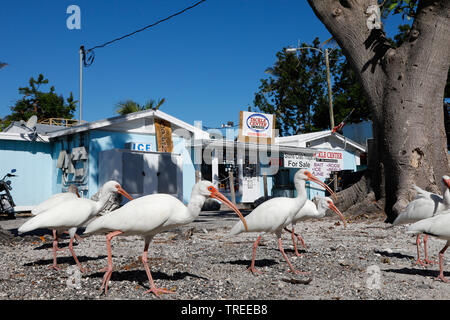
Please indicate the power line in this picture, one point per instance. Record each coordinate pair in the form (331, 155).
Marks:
(88, 60)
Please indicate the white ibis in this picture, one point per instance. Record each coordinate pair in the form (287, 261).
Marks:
(72, 193)
(275, 214)
(71, 214)
(439, 227)
(425, 205)
(310, 211)
(150, 215)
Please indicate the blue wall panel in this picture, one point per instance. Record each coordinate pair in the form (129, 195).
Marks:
(33, 162)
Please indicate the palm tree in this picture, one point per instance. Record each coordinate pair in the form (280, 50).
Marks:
(129, 106)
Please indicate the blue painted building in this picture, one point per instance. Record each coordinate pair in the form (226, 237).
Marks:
(32, 160)
(152, 152)
(123, 148)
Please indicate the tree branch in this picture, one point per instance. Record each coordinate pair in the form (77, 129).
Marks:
(364, 49)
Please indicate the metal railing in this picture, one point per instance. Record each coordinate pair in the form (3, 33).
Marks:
(60, 122)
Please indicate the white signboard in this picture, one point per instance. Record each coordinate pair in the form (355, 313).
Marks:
(250, 189)
(255, 124)
(321, 163)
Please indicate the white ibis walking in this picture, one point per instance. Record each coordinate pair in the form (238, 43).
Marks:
(54, 200)
(150, 215)
(310, 211)
(72, 193)
(71, 214)
(439, 227)
(425, 205)
(275, 214)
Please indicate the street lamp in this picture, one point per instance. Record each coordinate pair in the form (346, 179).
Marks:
(330, 101)
(81, 83)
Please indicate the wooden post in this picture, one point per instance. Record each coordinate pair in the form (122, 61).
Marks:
(266, 193)
(81, 83)
(233, 195)
(335, 184)
(330, 100)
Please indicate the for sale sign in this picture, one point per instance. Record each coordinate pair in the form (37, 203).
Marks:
(321, 163)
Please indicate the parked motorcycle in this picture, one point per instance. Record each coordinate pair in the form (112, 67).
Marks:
(6, 201)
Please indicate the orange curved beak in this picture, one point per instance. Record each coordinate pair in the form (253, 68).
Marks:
(217, 195)
(341, 216)
(317, 180)
(124, 193)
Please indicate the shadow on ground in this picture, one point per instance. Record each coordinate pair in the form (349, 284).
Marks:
(394, 255)
(417, 272)
(140, 276)
(63, 260)
(258, 263)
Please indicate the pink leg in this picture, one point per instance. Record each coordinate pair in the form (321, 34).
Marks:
(74, 256)
(295, 243)
(252, 265)
(426, 260)
(109, 269)
(299, 237)
(153, 288)
(55, 249)
(441, 264)
(79, 239)
(287, 260)
(419, 261)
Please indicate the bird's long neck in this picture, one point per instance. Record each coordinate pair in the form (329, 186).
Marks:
(321, 210)
(101, 203)
(195, 205)
(446, 198)
(300, 186)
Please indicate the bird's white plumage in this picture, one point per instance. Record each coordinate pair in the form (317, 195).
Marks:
(70, 213)
(269, 216)
(65, 215)
(437, 226)
(275, 214)
(425, 205)
(53, 201)
(152, 214)
(143, 216)
(309, 211)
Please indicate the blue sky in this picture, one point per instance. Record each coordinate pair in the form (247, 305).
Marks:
(207, 62)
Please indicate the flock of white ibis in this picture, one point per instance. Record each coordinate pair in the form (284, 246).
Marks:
(152, 214)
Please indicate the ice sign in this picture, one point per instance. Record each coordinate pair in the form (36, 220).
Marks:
(139, 146)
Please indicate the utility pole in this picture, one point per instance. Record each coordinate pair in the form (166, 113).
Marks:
(330, 106)
(233, 194)
(327, 63)
(330, 99)
(81, 82)
(266, 192)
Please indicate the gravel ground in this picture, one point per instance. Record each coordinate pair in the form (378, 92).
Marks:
(201, 261)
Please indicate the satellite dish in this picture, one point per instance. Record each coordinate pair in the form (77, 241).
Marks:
(31, 123)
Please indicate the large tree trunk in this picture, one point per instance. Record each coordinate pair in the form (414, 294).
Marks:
(405, 87)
